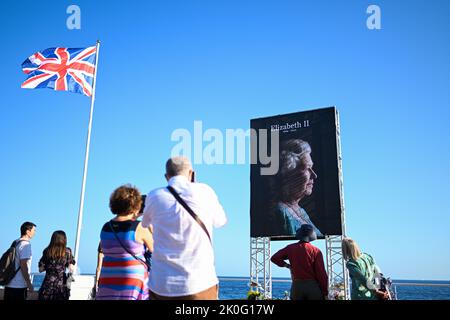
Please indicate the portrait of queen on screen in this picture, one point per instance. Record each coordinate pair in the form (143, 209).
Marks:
(293, 182)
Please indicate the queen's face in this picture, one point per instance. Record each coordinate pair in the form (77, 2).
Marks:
(301, 179)
(308, 174)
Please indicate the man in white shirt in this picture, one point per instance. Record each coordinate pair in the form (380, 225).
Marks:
(183, 257)
(17, 288)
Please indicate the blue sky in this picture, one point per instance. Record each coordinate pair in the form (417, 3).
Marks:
(165, 64)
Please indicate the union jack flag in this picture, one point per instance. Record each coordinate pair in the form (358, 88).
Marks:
(68, 69)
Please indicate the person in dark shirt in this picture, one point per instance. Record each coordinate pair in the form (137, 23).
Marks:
(309, 278)
(56, 259)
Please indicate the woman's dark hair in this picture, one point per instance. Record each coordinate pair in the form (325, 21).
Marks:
(26, 226)
(57, 247)
(125, 200)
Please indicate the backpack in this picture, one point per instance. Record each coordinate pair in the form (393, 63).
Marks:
(8, 264)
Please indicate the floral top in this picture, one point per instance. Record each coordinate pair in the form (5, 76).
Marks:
(54, 285)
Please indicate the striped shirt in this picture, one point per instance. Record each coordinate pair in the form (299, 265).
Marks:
(122, 276)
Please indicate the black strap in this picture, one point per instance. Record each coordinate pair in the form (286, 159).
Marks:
(15, 244)
(191, 212)
(126, 249)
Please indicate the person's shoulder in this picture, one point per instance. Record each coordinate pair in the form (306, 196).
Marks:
(157, 196)
(313, 248)
(287, 249)
(136, 223)
(367, 257)
(310, 247)
(293, 246)
(106, 226)
(352, 264)
(365, 254)
(155, 193)
(202, 187)
(204, 190)
(44, 256)
(280, 208)
(24, 249)
(23, 244)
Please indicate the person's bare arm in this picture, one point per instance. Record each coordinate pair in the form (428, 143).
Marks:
(145, 235)
(148, 239)
(41, 265)
(72, 262)
(99, 268)
(26, 273)
(279, 258)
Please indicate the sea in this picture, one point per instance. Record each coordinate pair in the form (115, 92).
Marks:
(231, 288)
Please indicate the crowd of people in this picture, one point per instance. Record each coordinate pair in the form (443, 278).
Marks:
(159, 247)
(155, 247)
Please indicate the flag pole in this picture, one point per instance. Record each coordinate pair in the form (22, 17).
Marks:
(86, 159)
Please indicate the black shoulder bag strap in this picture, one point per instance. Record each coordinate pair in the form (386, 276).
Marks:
(191, 212)
(15, 244)
(126, 249)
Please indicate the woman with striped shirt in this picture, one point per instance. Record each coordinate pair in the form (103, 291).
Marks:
(123, 240)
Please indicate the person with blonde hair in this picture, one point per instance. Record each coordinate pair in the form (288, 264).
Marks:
(362, 270)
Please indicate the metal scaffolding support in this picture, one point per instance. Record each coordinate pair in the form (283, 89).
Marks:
(260, 268)
(337, 272)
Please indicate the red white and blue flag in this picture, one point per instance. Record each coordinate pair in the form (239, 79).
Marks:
(67, 69)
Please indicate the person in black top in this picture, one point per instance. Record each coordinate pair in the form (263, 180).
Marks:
(56, 258)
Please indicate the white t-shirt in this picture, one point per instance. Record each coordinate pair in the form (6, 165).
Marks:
(183, 257)
(23, 251)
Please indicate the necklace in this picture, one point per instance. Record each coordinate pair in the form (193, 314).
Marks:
(296, 212)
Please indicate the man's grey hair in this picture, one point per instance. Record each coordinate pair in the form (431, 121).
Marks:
(179, 165)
